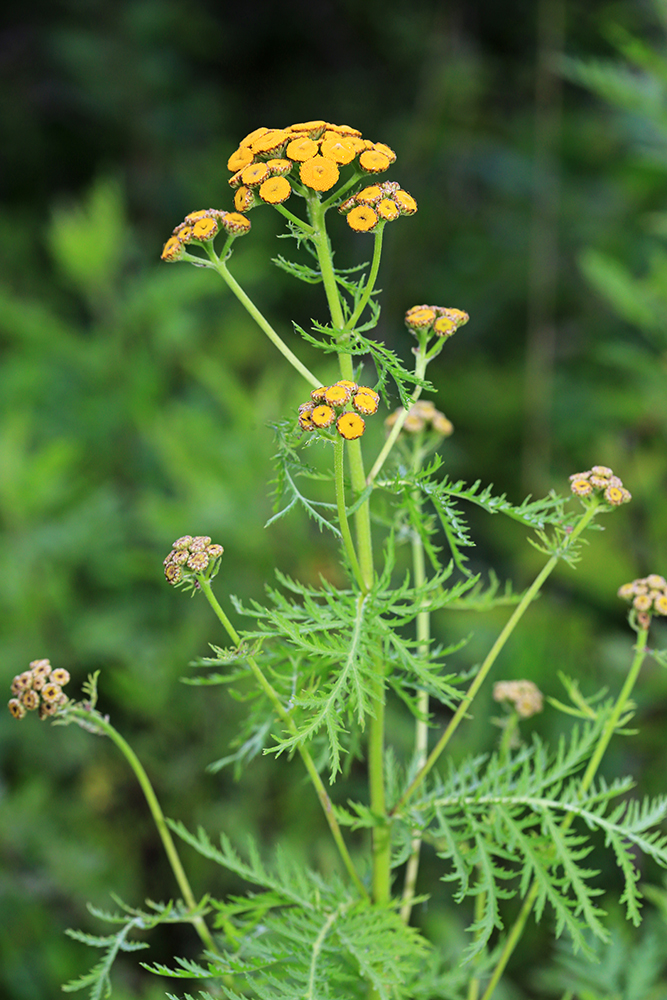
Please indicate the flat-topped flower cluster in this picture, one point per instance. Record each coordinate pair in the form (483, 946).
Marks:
(330, 403)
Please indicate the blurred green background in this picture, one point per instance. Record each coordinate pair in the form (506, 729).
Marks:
(135, 397)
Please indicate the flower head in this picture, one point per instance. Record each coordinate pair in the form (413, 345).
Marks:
(331, 403)
(601, 482)
(524, 695)
(190, 557)
(647, 596)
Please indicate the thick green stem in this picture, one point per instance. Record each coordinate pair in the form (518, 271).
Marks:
(262, 322)
(289, 724)
(481, 675)
(158, 816)
(608, 731)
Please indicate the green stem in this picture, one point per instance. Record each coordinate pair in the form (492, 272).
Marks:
(421, 724)
(158, 816)
(467, 699)
(420, 372)
(382, 832)
(608, 731)
(262, 322)
(372, 278)
(290, 725)
(308, 230)
(339, 479)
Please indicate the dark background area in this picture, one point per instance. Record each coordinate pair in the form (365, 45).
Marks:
(135, 397)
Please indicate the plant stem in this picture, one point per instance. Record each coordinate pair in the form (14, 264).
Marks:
(372, 278)
(421, 724)
(158, 816)
(381, 833)
(288, 722)
(491, 657)
(605, 736)
(275, 338)
(420, 371)
(339, 479)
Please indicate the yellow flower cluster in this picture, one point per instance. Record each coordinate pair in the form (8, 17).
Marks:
(524, 695)
(312, 152)
(330, 403)
(41, 688)
(422, 416)
(377, 203)
(648, 596)
(189, 556)
(600, 479)
(435, 319)
(200, 227)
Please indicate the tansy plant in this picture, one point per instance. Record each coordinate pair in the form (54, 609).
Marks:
(325, 660)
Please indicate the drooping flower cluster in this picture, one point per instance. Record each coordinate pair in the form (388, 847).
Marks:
(422, 416)
(190, 556)
(378, 203)
(648, 596)
(200, 227)
(524, 695)
(310, 153)
(600, 480)
(39, 688)
(341, 403)
(441, 321)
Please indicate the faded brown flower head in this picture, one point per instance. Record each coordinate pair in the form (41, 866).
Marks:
(422, 416)
(601, 481)
(192, 556)
(647, 596)
(525, 696)
(40, 686)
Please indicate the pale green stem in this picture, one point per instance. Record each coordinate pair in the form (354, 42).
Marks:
(481, 675)
(421, 724)
(382, 832)
(306, 229)
(474, 984)
(103, 724)
(420, 372)
(339, 479)
(262, 322)
(608, 731)
(289, 724)
(372, 278)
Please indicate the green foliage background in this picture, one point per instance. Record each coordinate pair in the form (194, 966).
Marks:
(135, 396)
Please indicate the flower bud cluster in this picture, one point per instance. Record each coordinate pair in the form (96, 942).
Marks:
(441, 321)
(191, 556)
(524, 695)
(648, 596)
(270, 160)
(378, 203)
(422, 416)
(600, 480)
(39, 688)
(201, 227)
(341, 403)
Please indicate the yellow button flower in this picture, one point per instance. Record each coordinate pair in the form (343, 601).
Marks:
(340, 150)
(172, 250)
(323, 415)
(302, 149)
(350, 426)
(319, 173)
(374, 161)
(275, 190)
(362, 219)
(244, 199)
(255, 174)
(240, 158)
(388, 210)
